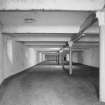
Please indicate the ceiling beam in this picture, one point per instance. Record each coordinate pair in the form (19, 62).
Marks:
(89, 39)
(89, 21)
(86, 43)
(52, 38)
(38, 34)
(40, 29)
(45, 49)
(29, 38)
(46, 46)
(51, 52)
(44, 43)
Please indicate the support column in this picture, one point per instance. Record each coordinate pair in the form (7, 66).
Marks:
(1, 58)
(70, 57)
(40, 57)
(63, 59)
(101, 18)
(58, 57)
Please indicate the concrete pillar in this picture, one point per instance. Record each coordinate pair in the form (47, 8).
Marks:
(70, 57)
(101, 18)
(1, 58)
(58, 57)
(63, 59)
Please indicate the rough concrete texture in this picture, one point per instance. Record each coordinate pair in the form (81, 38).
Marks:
(41, 85)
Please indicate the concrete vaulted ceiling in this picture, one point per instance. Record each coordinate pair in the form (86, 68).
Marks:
(49, 24)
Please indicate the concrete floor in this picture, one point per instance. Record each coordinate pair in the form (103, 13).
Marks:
(50, 85)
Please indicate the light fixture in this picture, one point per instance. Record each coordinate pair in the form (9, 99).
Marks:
(29, 20)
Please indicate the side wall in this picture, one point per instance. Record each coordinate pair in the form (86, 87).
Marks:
(13, 56)
(88, 57)
(91, 57)
(16, 56)
(30, 57)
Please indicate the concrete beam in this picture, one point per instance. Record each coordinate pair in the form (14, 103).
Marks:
(49, 52)
(86, 44)
(40, 29)
(89, 21)
(44, 38)
(89, 43)
(45, 49)
(85, 47)
(39, 34)
(90, 39)
(54, 39)
(44, 43)
(80, 45)
(51, 5)
(45, 46)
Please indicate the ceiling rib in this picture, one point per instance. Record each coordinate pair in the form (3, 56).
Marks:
(90, 20)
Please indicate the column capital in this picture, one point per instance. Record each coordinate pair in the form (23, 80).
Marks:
(70, 43)
(101, 17)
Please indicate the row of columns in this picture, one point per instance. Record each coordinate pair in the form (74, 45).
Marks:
(101, 21)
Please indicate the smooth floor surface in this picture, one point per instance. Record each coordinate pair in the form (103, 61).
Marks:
(42, 85)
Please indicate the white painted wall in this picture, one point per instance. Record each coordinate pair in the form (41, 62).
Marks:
(75, 57)
(13, 56)
(91, 57)
(88, 57)
(16, 56)
(30, 57)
